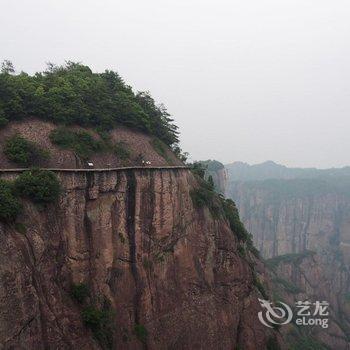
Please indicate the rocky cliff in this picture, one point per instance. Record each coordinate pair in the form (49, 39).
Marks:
(218, 173)
(38, 131)
(220, 179)
(303, 227)
(166, 274)
(291, 216)
(315, 277)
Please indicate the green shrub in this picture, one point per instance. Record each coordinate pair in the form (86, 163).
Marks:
(41, 186)
(81, 142)
(92, 317)
(141, 333)
(179, 153)
(21, 228)
(3, 121)
(23, 152)
(80, 292)
(201, 196)
(241, 251)
(198, 169)
(9, 204)
(101, 324)
(121, 151)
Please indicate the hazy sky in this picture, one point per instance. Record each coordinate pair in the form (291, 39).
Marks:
(246, 80)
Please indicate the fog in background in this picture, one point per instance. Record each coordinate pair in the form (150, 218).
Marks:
(245, 80)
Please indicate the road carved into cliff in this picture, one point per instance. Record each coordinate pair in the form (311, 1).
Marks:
(82, 170)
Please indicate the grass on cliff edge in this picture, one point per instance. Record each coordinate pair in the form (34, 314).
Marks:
(23, 152)
(40, 186)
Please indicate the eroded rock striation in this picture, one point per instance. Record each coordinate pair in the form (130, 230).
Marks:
(169, 274)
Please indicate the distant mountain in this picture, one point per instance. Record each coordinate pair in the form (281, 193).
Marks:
(239, 171)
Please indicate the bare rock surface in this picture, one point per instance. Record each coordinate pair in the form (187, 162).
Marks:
(136, 240)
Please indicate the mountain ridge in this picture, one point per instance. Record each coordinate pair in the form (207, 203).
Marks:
(240, 171)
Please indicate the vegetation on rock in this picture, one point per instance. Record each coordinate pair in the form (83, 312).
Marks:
(81, 142)
(101, 324)
(201, 197)
(3, 121)
(141, 333)
(205, 195)
(73, 94)
(80, 292)
(23, 152)
(232, 215)
(41, 186)
(294, 258)
(9, 204)
(259, 286)
(21, 228)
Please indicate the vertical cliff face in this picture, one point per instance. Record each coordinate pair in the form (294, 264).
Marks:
(169, 273)
(303, 229)
(283, 224)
